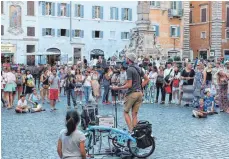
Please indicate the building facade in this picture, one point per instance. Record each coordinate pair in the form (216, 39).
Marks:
(169, 22)
(209, 29)
(66, 31)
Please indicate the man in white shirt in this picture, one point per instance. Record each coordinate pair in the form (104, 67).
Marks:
(168, 76)
(22, 106)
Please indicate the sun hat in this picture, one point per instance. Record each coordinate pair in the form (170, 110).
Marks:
(131, 56)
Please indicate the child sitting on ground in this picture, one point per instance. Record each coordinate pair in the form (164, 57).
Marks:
(22, 106)
(201, 112)
(35, 98)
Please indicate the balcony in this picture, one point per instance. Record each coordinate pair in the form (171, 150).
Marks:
(172, 13)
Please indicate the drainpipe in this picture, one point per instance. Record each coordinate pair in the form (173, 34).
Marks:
(70, 32)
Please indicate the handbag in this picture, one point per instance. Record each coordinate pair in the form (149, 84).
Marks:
(168, 89)
(176, 83)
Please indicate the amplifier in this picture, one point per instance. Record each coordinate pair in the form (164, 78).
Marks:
(105, 120)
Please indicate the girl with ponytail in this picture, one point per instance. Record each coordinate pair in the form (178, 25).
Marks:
(71, 141)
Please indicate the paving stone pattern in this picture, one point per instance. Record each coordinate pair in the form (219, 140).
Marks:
(178, 134)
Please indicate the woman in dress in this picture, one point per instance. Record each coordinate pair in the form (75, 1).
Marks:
(106, 84)
(29, 81)
(152, 83)
(79, 81)
(19, 81)
(187, 76)
(222, 81)
(10, 87)
(198, 85)
(45, 85)
(95, 85)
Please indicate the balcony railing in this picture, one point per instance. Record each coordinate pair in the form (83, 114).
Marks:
(175, 13)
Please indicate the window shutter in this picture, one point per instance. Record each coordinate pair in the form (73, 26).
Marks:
(128, 36)
(203, 15)
(68, 10)
(81, 11)
(73, 33)
(67, 32)
(43, 31)
(123, 13)
(170, 31)
(58, 9)
(178, 31)
(58, 32)
(101, 34)
(53, 9)
(157, 30)
(93, 12)
(158, 4)
(2, 6)
(111, 12)
(30, 8)
(171, 4)
(101, 12)
(227, 23)
(76, 10)
(93, 34)
(122, 35)
(43, 8)
(2, 30)
(81, 33)
(53, 32)
(130, 14)
(179, 4)
(116, 13)
(190, 16)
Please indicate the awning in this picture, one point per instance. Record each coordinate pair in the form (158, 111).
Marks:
(41, 53)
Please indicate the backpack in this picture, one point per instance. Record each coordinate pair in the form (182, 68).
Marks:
(142, 133)
(88, 115)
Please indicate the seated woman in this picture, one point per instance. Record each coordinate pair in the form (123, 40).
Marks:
(71, 142)
(201, 111)
(22, 106)
(35, 98)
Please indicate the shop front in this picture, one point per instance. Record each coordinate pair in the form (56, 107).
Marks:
(8, 53)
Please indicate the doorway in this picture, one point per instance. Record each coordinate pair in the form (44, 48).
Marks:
(96, 53)
(226, 55)
(203, 55)
(77, 55)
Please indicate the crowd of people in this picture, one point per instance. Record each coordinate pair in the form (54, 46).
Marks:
(187, 85)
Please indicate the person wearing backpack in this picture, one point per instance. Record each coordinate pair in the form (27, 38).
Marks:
(134, 84)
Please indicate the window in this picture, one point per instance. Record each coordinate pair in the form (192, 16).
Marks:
(78, 33)
(30, 8)
(48, 8)
(174, 5)
(112, 34)
(227, 17)
(30, 48)
(97, 34)
(203, 14)
(174, 31)
(2, 7)
(2, 29)
(63, 9)
(97, 12)
(114, 13)
(190, 16)
(30, 31)
(48, 31)
(154, 3)
(203, 35)
(227, 34)
(125, 35)
(79, 10)
(63, 32)
(127, 14)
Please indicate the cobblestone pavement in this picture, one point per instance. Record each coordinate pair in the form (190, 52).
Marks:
(178, 134)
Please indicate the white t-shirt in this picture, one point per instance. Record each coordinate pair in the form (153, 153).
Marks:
(87, 82)
(21, 103)
(153, 76)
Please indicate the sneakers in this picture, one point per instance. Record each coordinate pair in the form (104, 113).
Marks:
(195, 114)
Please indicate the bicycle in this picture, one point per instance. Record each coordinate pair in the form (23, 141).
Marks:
(120, 140)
